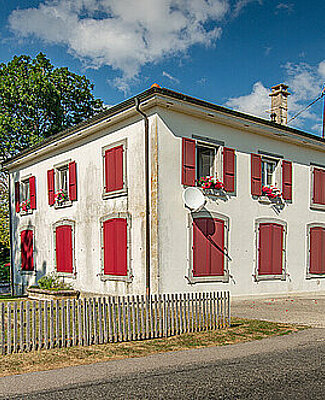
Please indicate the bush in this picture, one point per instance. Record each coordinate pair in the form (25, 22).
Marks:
(53, 282)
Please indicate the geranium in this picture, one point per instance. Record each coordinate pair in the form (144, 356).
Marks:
(25, 205)
(61, 196)
(271, 192)
(209, 182)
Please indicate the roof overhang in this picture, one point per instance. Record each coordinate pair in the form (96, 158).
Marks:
(170, 100)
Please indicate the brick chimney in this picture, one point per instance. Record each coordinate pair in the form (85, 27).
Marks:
(279, 107)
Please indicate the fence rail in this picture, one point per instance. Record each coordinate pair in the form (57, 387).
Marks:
(35, 325)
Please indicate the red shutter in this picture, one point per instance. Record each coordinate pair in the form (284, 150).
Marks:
(208, 247)
(270, 246)
(72, 181)
(32, 192)
(287, 180)
(319, 186)
(50, 186)
(64, 250)
(115, 247)
(256, 175)
(317, 251)
(114, 169)
(188, 161)
(277, 257)
(229, 169)
(27, 257)
(17, 196)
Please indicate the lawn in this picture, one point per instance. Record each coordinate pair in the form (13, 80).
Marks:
(241, 330)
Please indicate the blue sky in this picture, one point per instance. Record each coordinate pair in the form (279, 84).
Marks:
(229, 52)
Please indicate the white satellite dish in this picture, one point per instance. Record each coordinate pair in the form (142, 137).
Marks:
(193, 198)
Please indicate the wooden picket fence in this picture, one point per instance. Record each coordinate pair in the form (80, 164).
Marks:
(36, 325)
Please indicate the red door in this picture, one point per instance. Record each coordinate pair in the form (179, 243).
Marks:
(64, 249)
(27, 250)
(270, 249)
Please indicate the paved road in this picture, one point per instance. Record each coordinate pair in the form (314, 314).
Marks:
(302, 309)
(290, 367)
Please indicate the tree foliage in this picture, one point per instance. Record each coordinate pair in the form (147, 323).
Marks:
(38, 100)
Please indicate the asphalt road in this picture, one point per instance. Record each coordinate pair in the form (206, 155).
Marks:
(290, 367)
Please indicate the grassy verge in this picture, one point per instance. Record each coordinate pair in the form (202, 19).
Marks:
(240, 331)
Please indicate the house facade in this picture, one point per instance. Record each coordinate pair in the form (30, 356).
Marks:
(102, 204)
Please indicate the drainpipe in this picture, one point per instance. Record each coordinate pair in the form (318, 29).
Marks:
(12, 286)
(147, 186)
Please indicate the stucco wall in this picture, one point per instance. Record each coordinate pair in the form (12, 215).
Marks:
(241, 209)
(87, 211)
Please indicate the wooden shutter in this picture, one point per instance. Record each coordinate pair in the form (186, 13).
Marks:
(229, 169)
(208, 247)
(27, 256)
(115, 246)
(32, 192)
(270, 247)
(17, 196)
(50, 186)
(114, 169)
(256, 174)
(317, 250)
(64, 249)
(72, 181)
(188, 162)
(287, 180)
(319, 186)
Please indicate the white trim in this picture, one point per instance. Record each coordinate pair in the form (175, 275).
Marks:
(65, 221)
(124, 190)
(204, 279)
(256, 275)
(308, 227)
(129, 276)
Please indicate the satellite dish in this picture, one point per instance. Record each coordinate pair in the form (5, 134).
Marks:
(194, 199)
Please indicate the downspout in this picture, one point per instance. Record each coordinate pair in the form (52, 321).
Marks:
(147, 187)
(12, 275)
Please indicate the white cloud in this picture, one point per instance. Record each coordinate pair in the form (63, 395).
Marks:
(256, 103)
(305, 85)
(124, 34)
(240, 4)
(287, 7)
(170, 77)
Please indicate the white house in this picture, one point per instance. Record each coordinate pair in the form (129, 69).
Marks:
(102, 203)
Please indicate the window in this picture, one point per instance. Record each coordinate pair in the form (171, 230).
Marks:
(316, 247)
(202, 159)
(270, 250)
(62, 184)
(115, 247)
(114, 170)
(318, 188)
(27, 250)
(25, 195)
(271, 172)
(268, 172)
(64, 247)
(206, 160)
(209, 255)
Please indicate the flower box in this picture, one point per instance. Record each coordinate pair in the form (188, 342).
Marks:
(35, 293)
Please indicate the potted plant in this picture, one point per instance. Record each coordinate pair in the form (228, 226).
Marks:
(25, 205)
(51, 287)
(272, 193)
(61, 196)
(210, 182)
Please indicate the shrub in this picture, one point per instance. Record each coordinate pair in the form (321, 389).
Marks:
(53, 282)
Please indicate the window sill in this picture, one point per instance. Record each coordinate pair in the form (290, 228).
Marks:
(315, 276)
(206, 279)
(24, 213)
(266, 200)
(71, 275)
(317, 207)
(67, 203)
(259, 278)
(30, 273)
(121, 278)
(116, 193)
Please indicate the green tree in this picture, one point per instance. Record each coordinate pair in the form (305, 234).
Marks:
(38, 100)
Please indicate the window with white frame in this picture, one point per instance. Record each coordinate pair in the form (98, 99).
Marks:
(268, 171)
(206, 161)
(62, 184)
(114, 168)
